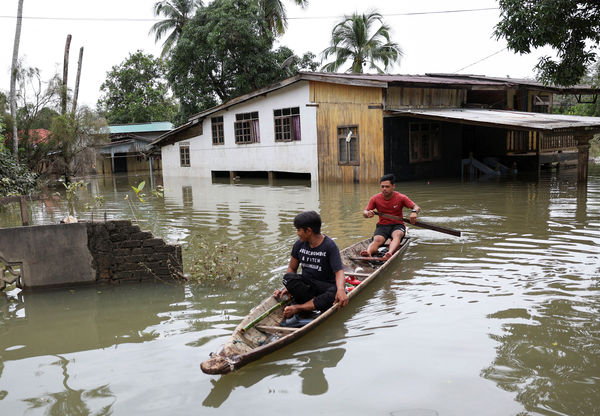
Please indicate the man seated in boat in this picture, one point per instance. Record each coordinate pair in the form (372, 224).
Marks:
(321, 282)
(389, 202)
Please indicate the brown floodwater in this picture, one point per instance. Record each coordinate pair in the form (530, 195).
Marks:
(502, 321)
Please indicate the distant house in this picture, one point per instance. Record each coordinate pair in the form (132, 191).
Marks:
(129, 146)
(355, 127)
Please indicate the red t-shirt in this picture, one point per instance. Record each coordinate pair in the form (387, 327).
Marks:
(392, 206)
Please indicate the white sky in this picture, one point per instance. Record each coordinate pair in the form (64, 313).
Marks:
(444, 42)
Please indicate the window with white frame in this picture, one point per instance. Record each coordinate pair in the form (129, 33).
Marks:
(287, 124)
(246, 128)
(184, 154)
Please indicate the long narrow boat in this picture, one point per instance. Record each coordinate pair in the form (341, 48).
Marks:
(261, 332)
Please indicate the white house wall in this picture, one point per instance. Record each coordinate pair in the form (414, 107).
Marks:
(268, 155)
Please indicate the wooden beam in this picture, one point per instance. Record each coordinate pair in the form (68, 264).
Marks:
(583, 155)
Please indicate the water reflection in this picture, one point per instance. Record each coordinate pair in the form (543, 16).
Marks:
(549, 355)
(71, 401)
(66, 321)
(313, 355)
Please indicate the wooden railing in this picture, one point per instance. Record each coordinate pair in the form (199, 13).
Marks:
(557, 140)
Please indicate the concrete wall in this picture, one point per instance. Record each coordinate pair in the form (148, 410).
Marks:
(68, 254)
(268, 155)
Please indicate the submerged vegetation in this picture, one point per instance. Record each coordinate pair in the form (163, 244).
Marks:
(210, 262)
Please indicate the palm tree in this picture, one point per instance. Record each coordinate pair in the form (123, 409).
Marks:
(177, 13)
(276, 16)
(351, 41)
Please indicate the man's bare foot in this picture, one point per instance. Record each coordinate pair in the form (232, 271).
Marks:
(365, 253)
(387, 256)
(290, 311)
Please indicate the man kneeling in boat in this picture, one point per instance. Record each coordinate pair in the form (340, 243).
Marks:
(321, 283)
(389, 202)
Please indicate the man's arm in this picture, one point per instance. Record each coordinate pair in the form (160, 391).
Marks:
(368, 212)
(292, 268)
(293, 265)
(340, 295)
(413, 215)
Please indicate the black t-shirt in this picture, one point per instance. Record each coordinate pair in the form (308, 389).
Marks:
(321, 262)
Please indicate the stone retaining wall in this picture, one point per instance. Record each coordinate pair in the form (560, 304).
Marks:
(122, 252)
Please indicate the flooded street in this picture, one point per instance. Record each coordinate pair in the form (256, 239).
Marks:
(502, 321)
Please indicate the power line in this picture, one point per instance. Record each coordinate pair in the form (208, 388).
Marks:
(481, 60)
(405, 14)
(128, 19)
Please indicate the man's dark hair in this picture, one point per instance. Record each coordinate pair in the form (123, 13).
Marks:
(308, 219)
(388, 177)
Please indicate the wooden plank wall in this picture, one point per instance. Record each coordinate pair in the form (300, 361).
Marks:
(342, 105)
(412, 97)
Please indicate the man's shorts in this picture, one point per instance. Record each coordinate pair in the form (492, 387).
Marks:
(386, 230)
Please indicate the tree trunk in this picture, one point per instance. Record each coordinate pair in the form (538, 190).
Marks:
(76, 92)
(63, 103)
(13, 79)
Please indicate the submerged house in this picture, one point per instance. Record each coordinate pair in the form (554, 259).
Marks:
(128, 149)
(355, 127)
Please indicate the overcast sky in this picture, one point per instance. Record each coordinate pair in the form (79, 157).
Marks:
(110, 30)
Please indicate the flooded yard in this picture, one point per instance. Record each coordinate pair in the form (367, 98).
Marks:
(501, 321)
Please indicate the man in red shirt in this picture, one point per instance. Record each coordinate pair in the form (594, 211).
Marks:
(388, 202)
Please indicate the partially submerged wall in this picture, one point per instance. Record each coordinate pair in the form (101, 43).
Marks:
(122, 251)
(67, 254)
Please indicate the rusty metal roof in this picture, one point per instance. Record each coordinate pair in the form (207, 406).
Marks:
(517, 120)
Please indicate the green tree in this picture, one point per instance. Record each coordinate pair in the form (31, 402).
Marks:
(571, 27)
(275, 14)
(176, 13)
(356, 40)
(136, 92)
(73, 134)
(224, 51)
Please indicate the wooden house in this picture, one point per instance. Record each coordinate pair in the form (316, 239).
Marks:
(128, 149)
(355, 127)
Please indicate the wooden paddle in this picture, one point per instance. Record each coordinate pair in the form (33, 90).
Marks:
(421, 224)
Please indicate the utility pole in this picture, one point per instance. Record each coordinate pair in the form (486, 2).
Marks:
(63, 100)
(13, 79)
(76, 92)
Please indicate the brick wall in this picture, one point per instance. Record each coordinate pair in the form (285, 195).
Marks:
(122, 252)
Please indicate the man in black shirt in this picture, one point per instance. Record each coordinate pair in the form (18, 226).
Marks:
(321, 283)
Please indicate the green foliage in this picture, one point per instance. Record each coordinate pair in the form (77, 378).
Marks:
(223, 52)
(275, 14)
(15, 178)
(176, 13)
(352, 41)
(71, 189)
(568, 103)
(136, 92)
(138, 191)
(571, 27)
(72, 134)
(210, 263)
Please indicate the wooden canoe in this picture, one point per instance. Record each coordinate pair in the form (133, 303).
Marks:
(246, 345)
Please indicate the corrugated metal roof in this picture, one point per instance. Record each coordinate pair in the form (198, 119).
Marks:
(140, 127)
(506, 119)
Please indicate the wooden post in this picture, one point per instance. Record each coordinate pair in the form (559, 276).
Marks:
(24, 214)
(63, 95)
(76, 92)
(583, 148)
(271, 176)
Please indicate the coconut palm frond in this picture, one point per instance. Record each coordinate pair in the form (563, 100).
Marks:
(356, 40)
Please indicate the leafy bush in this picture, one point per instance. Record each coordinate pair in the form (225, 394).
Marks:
(15, 179)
